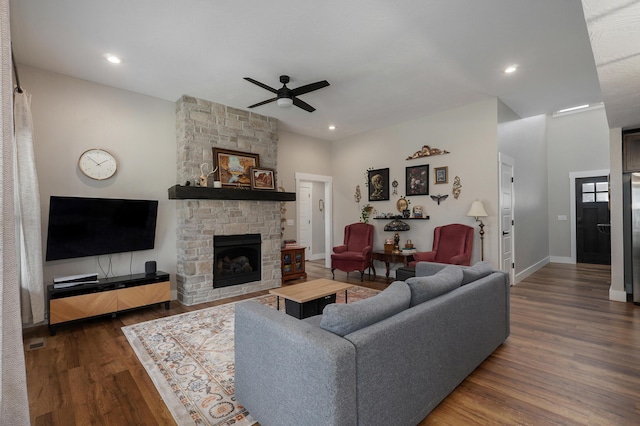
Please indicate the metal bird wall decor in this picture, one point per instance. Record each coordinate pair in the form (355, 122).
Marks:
(439, 197)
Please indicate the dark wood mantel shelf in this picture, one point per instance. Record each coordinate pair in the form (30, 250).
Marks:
(179, 192)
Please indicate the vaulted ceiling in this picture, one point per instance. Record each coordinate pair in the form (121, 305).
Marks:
(386, 62)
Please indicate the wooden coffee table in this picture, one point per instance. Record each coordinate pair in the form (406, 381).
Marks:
(309, 299)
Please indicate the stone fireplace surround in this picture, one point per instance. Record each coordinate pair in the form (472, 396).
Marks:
(200, 126)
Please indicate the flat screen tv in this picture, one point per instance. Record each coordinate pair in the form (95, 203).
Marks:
(80, 227)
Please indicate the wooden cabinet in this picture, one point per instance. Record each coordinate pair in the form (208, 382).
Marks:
(293, 263)
(109, 296)
(631, 152)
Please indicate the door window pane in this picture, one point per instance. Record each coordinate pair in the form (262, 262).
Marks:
(588, 197)
(602, 197)
(602, 186)
(588, 187)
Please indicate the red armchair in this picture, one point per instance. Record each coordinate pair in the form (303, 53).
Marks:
(451, 244)
(355, 253)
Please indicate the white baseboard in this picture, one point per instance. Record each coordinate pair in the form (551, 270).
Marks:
(561, 259)
(316, 256)
(531, 269)
(617, 295)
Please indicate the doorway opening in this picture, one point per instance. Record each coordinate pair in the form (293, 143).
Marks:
(313, 212)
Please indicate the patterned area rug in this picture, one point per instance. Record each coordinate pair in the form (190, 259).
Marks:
(190, 359)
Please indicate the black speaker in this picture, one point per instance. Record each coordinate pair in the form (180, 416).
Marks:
(150, 267)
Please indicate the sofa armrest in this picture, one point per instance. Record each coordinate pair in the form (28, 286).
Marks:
(425, 269)
(340, 249)
(424, 256)
(366, 251)
(290, 372)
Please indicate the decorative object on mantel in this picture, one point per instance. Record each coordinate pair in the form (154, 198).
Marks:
(395, 187)
(418, 211)
(378, 183)
(283, 210)
(439, 197)
(427, 151)
(396, 225)
(441, 175)
(457, 187)
(477, 210)
(234, 166)
(417, 180)
(402, 204)
(263, 178)
(204, 177)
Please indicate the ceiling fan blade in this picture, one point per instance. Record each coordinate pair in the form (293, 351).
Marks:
(301, 104)
(262, 103)
(264, 86)
(309, 88)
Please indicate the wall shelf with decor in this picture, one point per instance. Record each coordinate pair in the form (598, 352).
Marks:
(402, 218)
(180, 192)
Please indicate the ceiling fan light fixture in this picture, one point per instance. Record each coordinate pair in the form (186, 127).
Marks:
(285, 102)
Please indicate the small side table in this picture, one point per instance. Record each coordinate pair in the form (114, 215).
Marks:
(293, 263)
(389, 257)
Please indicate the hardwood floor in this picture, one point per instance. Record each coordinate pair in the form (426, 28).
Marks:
(573, 357)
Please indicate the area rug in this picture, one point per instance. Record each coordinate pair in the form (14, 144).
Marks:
(190, 358)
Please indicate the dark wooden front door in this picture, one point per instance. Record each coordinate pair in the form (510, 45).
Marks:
(593, 242)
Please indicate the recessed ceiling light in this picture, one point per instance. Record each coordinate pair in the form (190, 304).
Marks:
(113, 58)
(572, 108)
(332, 127)
(510, 69)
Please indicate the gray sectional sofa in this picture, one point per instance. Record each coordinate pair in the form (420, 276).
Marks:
(386, 360)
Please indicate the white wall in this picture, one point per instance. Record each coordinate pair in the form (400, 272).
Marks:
(576, 143)
(524, 140)
(469, 133)
(71, 116)
(300, 154)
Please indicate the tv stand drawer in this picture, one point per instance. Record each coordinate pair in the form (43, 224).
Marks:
(109, 296)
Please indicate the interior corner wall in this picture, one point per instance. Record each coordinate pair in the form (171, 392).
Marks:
(72, 115)
(299, 154)
(576, 143)
(469, 133)
(617, 291)
(524, 140)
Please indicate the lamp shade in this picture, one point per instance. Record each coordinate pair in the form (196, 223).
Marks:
(284, 102)
(477, 209)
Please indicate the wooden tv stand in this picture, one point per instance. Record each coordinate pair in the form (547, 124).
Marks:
(108, 296)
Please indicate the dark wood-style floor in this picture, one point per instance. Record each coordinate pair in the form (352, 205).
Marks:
(573, 357)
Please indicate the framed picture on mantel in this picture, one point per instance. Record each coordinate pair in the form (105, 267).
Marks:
(234, 167)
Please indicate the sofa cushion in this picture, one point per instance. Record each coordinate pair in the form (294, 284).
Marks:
(342, 319)
(475, 272)
(429, 287)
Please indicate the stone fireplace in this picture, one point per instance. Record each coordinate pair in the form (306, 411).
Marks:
(202, 125)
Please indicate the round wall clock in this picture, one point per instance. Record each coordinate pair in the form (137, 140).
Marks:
(97, 164)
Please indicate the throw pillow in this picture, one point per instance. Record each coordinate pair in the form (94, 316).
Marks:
(475, 272)
(342, 319)
(427, 288)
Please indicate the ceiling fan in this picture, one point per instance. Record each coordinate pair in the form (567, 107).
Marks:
(286, 97)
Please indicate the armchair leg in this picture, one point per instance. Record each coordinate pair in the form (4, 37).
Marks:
(333, 276)
(361, 275)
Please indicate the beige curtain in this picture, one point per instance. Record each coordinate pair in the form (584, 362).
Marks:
(14, 404)
(28, 213)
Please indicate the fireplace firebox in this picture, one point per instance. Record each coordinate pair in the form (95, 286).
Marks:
(237, 259)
